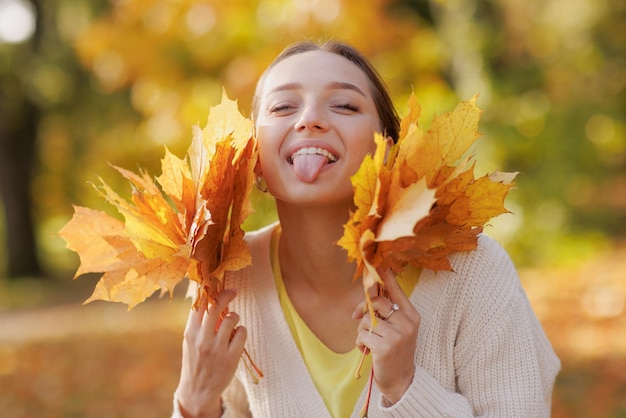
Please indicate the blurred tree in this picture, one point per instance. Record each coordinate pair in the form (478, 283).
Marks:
(558, 73)
(552, 80)
(19, 118)
(45, 104)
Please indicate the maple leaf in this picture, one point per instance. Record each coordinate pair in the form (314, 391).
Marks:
(185, 222)
(423, 203)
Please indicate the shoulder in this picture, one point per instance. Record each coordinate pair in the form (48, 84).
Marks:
(489, 259)
(481, 284)
(485, 275)
(479, 291)
(260, 237)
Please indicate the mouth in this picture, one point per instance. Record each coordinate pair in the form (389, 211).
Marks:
(309, 162)
(313, 151)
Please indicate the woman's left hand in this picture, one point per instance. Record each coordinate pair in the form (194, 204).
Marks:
(392, 340)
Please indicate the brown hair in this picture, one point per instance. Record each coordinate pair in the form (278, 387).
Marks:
(386, 111)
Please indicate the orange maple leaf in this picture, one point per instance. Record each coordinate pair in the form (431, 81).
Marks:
(188, 222)
(422, 203)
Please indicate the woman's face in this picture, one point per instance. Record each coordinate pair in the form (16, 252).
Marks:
(315, 124)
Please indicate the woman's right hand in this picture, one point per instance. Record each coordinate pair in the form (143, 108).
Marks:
(211, 351)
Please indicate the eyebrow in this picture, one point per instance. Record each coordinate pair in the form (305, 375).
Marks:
(340, 85)
(336, 85)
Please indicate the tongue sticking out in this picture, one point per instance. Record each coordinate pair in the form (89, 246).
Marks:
(308, 166)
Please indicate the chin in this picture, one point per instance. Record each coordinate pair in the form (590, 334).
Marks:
(312, 195)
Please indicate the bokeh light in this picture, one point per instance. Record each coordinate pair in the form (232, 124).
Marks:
(17, 21)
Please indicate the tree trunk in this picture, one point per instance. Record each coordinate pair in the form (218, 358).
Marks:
(19, 119)
(18, 130)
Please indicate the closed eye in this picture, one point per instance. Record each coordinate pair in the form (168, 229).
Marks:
(348, 106)
(281, 108)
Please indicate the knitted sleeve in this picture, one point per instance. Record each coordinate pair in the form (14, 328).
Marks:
(504, 366)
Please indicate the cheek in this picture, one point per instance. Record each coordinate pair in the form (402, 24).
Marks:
(266, 139)
(366, 144)
(268, 146)
(362, 146)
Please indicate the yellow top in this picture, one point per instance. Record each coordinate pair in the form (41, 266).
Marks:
(333, 373)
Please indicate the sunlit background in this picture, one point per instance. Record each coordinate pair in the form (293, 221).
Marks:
(84, 84)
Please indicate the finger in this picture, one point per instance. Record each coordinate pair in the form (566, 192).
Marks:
(238, 340)
(380, 305)
(191, 328)
(373, 326)
(216, 309)
(359, 311)
(368, 340)
(397, 295)
(393, 289)
(365, 323)
(390, 310)
(195, 317)
(203, 305)
(211, 320)
(363, 348)
(226, 329)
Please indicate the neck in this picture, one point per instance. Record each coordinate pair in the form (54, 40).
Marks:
(308, 250)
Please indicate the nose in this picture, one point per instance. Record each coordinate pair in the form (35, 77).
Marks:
(312, 119)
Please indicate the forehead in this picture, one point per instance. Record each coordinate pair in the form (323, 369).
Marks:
(315, 69)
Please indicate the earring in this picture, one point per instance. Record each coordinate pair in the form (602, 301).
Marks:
(260, 184)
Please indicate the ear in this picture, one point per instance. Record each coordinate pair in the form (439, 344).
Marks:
(389, 143)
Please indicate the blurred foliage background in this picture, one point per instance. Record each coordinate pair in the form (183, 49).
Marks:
(84, 84)
(113, 82)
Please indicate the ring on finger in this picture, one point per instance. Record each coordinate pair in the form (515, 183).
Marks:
(395, 307)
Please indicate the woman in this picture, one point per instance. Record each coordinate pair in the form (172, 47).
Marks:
(463, 343)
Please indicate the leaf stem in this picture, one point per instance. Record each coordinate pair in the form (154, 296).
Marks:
(366, 405)
(357, 374)
(255, 372)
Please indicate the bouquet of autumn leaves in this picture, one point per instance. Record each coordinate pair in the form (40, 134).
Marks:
(189, 225)
(419, 202)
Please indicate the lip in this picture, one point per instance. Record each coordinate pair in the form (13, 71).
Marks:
(326, 149)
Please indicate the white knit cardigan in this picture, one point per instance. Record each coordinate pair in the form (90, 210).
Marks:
(480, 350)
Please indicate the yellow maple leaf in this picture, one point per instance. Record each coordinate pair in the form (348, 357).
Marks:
(186, 223)
(423, 203)
(99, 255)
(175, 180)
